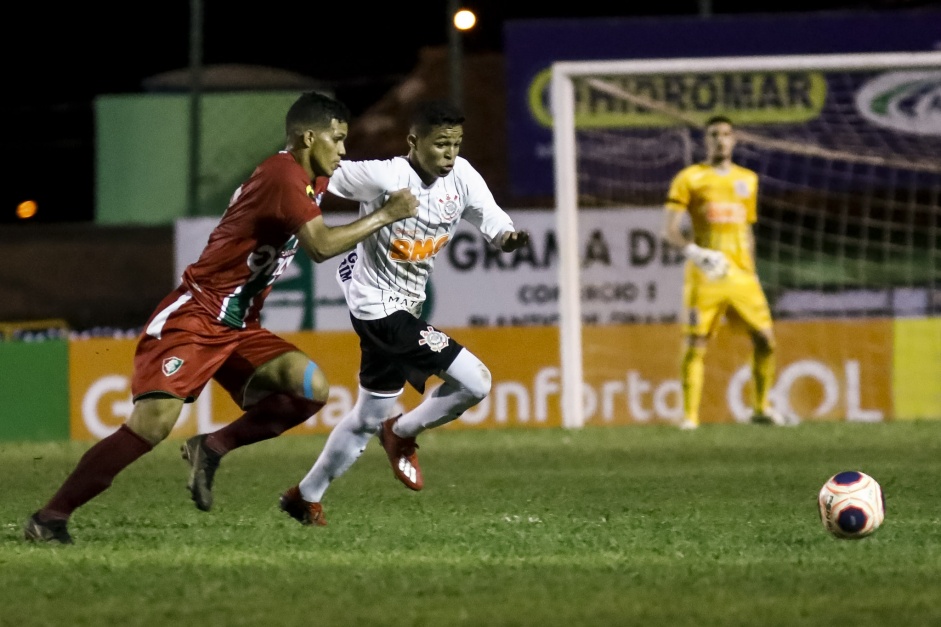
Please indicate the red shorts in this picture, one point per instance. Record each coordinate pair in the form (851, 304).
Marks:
(183, 347)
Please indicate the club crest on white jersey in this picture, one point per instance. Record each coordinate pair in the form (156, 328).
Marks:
(449, 207)
(434, 339)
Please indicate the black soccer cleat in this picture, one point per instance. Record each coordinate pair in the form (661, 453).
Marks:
(54, 530)
(203, 464)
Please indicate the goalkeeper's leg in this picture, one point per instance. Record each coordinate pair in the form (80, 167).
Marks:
(692, 375)
(763, 367)
(704, 303)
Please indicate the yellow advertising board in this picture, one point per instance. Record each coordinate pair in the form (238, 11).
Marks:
(100, 373)
(917, 368)
(99, 386)
(827, 370)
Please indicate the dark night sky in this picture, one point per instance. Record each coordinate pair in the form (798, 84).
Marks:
(60, 57)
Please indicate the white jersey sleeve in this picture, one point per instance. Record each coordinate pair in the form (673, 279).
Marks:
(481, 209)
(362, 181)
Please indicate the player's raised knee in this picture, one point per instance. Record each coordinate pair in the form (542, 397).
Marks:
(479, 386)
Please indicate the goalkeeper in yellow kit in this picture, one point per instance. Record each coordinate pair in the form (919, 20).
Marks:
(720, 278)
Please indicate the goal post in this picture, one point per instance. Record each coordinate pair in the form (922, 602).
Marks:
(855, 194)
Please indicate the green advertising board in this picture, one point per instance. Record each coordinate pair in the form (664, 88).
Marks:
(34, 390)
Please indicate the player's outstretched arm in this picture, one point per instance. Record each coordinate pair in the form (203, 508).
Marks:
(323, 242)
(512, 240)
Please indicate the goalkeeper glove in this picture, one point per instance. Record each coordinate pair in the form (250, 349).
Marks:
(713, 263)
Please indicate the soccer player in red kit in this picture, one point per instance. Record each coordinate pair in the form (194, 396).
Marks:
(209, 327)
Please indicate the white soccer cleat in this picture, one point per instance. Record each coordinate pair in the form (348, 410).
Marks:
(688, 425)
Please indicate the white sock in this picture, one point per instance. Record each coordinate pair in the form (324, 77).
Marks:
(466, 383)
(347, 441)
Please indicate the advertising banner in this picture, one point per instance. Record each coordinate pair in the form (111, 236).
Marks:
(827, 370)
(776, 99)
(34, 390)
(627, 275)
(916, 368)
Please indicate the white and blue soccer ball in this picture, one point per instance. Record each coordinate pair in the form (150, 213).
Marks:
(851, 505)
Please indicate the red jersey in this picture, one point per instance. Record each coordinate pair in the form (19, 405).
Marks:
(255, 241)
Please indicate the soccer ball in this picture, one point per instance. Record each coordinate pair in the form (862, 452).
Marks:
(851, 505)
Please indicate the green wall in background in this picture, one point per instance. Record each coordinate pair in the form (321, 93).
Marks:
(142, 151)
(34, 391)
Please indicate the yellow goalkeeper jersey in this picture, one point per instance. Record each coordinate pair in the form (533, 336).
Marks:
(721, 206)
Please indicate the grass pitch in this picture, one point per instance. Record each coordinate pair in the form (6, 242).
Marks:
(640, 525)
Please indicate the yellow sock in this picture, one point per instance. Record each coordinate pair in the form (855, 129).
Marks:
(763, 366)
(692, 373)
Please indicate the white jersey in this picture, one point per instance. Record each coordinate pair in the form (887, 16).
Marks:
(388, 270)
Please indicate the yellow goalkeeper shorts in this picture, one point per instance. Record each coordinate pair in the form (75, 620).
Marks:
(738, 298)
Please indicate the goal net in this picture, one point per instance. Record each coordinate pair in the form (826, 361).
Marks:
(848, 153)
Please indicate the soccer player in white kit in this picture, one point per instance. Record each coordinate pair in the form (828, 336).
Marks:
(384, 282)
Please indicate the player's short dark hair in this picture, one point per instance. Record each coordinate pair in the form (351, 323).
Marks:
(314, 110)
(718, 119)
(429, 114)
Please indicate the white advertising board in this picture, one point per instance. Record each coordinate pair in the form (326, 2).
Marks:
(628, 275)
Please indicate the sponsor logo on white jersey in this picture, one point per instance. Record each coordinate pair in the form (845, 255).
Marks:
(419, 249)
